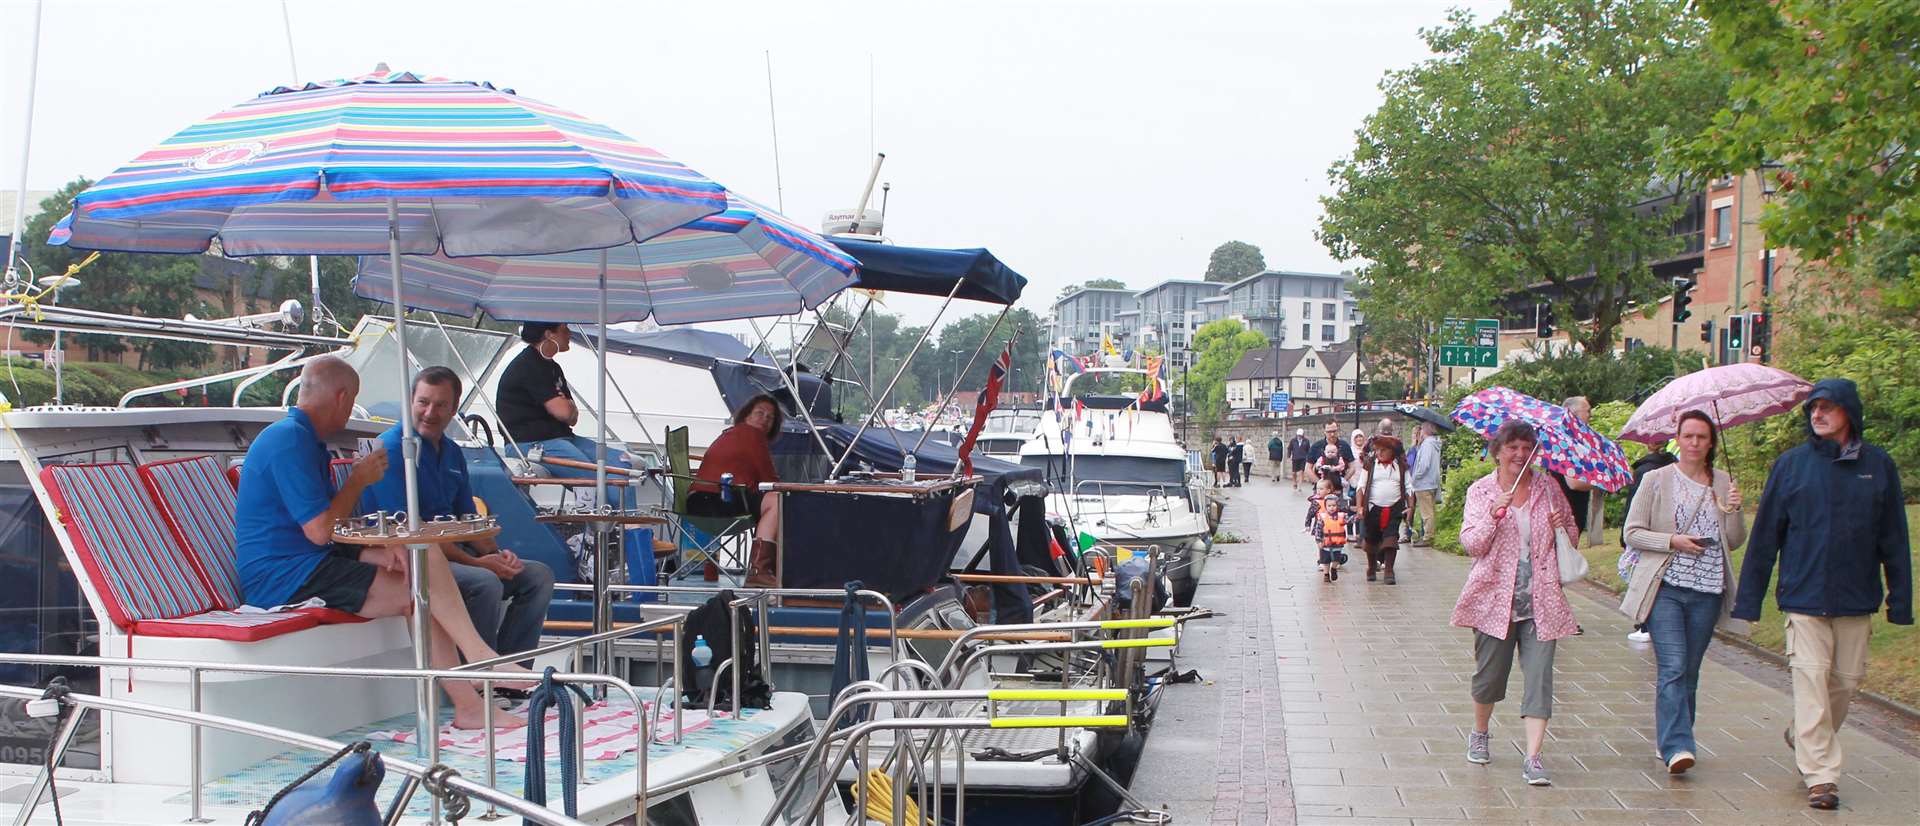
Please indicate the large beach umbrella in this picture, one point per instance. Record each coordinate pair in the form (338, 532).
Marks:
(1566, 445)
(746, 262)
(1732, 394)
(392, 163)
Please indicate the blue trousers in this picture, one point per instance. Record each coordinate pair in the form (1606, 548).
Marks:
(517, 625)
(1681, 624)
(583, 449)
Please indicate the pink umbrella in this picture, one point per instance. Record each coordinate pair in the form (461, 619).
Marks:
(1732, 394)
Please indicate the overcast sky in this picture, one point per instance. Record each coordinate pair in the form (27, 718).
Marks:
(1076, 140)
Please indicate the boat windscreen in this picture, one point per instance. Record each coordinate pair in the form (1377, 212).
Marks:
(377, 358)
(1113, 474)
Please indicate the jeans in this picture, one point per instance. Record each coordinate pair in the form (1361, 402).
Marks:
(1681, 623)
(517, 628)
(583, 449)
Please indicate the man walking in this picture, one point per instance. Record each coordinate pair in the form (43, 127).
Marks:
(1832, 515)
(1219, 460)
(1424, 480)
(1236, 453)
(1277, 455)
(1300, 452)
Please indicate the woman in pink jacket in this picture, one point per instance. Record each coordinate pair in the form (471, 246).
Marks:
(1512, 598)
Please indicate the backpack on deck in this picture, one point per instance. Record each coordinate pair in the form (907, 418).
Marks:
(710, 621)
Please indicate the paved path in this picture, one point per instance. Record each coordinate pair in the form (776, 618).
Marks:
(1347, 703)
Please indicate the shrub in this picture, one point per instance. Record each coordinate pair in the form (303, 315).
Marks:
(1454, 502)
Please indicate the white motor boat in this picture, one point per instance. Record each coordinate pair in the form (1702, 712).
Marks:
(1118, 474)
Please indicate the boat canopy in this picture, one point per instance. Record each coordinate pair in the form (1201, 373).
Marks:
(933, 271)
(739, 372)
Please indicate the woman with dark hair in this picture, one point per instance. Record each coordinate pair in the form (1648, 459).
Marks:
(536, 409)
(744, 451)
(1512, 597)
(1383, 504)
(1684, 521)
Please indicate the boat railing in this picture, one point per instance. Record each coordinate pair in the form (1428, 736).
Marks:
(429, 680)
(416, 774)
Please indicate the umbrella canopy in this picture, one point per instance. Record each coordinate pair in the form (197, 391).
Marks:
(1428, 415)
(1732, 394)
(746, 262)
(475, 170)
(933, 271)
(1567, 446)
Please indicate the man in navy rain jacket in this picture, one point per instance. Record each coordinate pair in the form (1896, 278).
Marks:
(1834, 518)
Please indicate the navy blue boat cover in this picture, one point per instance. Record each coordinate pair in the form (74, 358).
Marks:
(933, 271)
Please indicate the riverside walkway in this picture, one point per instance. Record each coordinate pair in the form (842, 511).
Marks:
(1346, 703)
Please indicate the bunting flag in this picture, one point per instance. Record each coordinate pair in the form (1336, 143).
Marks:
(1156, 380)
(1106, 345)
(989, 399)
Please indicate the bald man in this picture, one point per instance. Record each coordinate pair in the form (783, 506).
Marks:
(283, 531)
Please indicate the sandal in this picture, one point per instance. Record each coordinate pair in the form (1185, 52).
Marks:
(1823, 796)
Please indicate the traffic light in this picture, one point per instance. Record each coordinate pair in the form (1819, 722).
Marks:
(1760, 335)
(1736, 343)
(1545, 330)
(1682, 296)
(1706, 331)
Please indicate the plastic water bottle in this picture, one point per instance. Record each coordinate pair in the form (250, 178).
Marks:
(702, 655)
(906, 469)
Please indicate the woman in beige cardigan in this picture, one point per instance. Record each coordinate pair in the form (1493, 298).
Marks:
(1684, 521)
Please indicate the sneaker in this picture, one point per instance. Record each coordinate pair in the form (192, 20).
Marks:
(1637, 635)
(1534, 773)
(1680, 762)
(1477, 748)
(1333, 575)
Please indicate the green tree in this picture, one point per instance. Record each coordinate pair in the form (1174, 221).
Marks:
(1233, 261)
(1095, 284)
(159, 286)
(959, 340)
(1830, 89)
(1521, 156)
(1217, 347)
(294, 280)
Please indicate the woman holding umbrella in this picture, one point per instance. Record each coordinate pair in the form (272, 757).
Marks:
(1683, 586)
(1512, 598)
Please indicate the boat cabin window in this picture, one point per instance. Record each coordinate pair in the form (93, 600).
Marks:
(780, 772)
(377, 359)
(675, 812)
(41, 612)
(1013, 421)
(1114, 475)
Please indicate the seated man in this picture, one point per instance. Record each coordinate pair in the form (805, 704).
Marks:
(536, 409)
(486, 572)
(283, 530)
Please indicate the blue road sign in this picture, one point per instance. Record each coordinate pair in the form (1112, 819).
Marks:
(1279, 402)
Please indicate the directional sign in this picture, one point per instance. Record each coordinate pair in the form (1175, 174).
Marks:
(1469, 342)
(1279, 402)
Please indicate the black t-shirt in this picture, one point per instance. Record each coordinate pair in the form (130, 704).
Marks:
(1576, 499)
(1320, 449)
(529, 381)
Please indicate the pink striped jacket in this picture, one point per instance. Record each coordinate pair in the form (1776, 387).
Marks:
(1486, 601)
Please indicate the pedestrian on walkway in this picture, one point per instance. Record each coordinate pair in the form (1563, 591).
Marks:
(1655, 459)
(1833, 517)
(1512, 598)
(1356, 462)
(1219, 461)
(1424, 481)
(1236, 451)
(1277, 455)
(1579, 494)
(1300, 451)
(1331, 468)
(1327, 521)
(1383, 504)
(1682, 585)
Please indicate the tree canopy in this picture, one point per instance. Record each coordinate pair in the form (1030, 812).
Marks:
(1830, 90)
(1233, 261)
(1217, 347)
(1523, 158)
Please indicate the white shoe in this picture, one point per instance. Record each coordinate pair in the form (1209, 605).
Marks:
(1680, 762)
(1639, 636)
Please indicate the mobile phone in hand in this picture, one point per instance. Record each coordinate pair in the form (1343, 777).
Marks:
(1706, 542)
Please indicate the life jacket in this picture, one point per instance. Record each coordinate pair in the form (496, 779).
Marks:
(1333, 527)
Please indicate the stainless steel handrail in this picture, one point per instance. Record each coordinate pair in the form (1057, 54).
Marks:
(885, 603)
(199, 720)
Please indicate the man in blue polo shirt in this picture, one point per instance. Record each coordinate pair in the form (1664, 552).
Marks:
(283, 532)
(487, 573)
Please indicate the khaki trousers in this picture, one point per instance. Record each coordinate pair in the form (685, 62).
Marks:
(1828, 656)
(1423, 505)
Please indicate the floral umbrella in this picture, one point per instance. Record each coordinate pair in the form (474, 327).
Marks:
(1567, 446)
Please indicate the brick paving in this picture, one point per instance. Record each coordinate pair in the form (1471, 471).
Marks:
(1346, 703)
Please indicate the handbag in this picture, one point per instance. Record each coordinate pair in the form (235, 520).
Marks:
(1573, 566)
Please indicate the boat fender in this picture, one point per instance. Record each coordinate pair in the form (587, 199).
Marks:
(344, 800)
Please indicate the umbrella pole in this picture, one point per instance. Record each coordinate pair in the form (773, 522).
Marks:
(427, 699)
(602, 609)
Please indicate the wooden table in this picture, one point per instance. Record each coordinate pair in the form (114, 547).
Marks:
(428, 534)
(618, 518)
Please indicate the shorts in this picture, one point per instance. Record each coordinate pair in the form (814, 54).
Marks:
(709, 504)
(1299, 465)
(342, 581)
(1493, 662)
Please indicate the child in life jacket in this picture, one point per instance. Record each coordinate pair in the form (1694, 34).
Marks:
(1329, 521)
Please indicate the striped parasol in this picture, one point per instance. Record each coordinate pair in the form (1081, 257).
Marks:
(472, 169)
(746, 262)
(1566, 445)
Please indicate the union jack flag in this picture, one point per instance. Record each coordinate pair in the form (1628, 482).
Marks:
(989, 399)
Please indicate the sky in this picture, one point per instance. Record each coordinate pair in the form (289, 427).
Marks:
(1113, 139)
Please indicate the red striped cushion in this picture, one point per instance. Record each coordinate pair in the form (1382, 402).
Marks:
(227, 625)
(135, 563)
(197, 502)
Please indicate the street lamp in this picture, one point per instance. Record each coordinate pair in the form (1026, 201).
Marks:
(59, 284)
